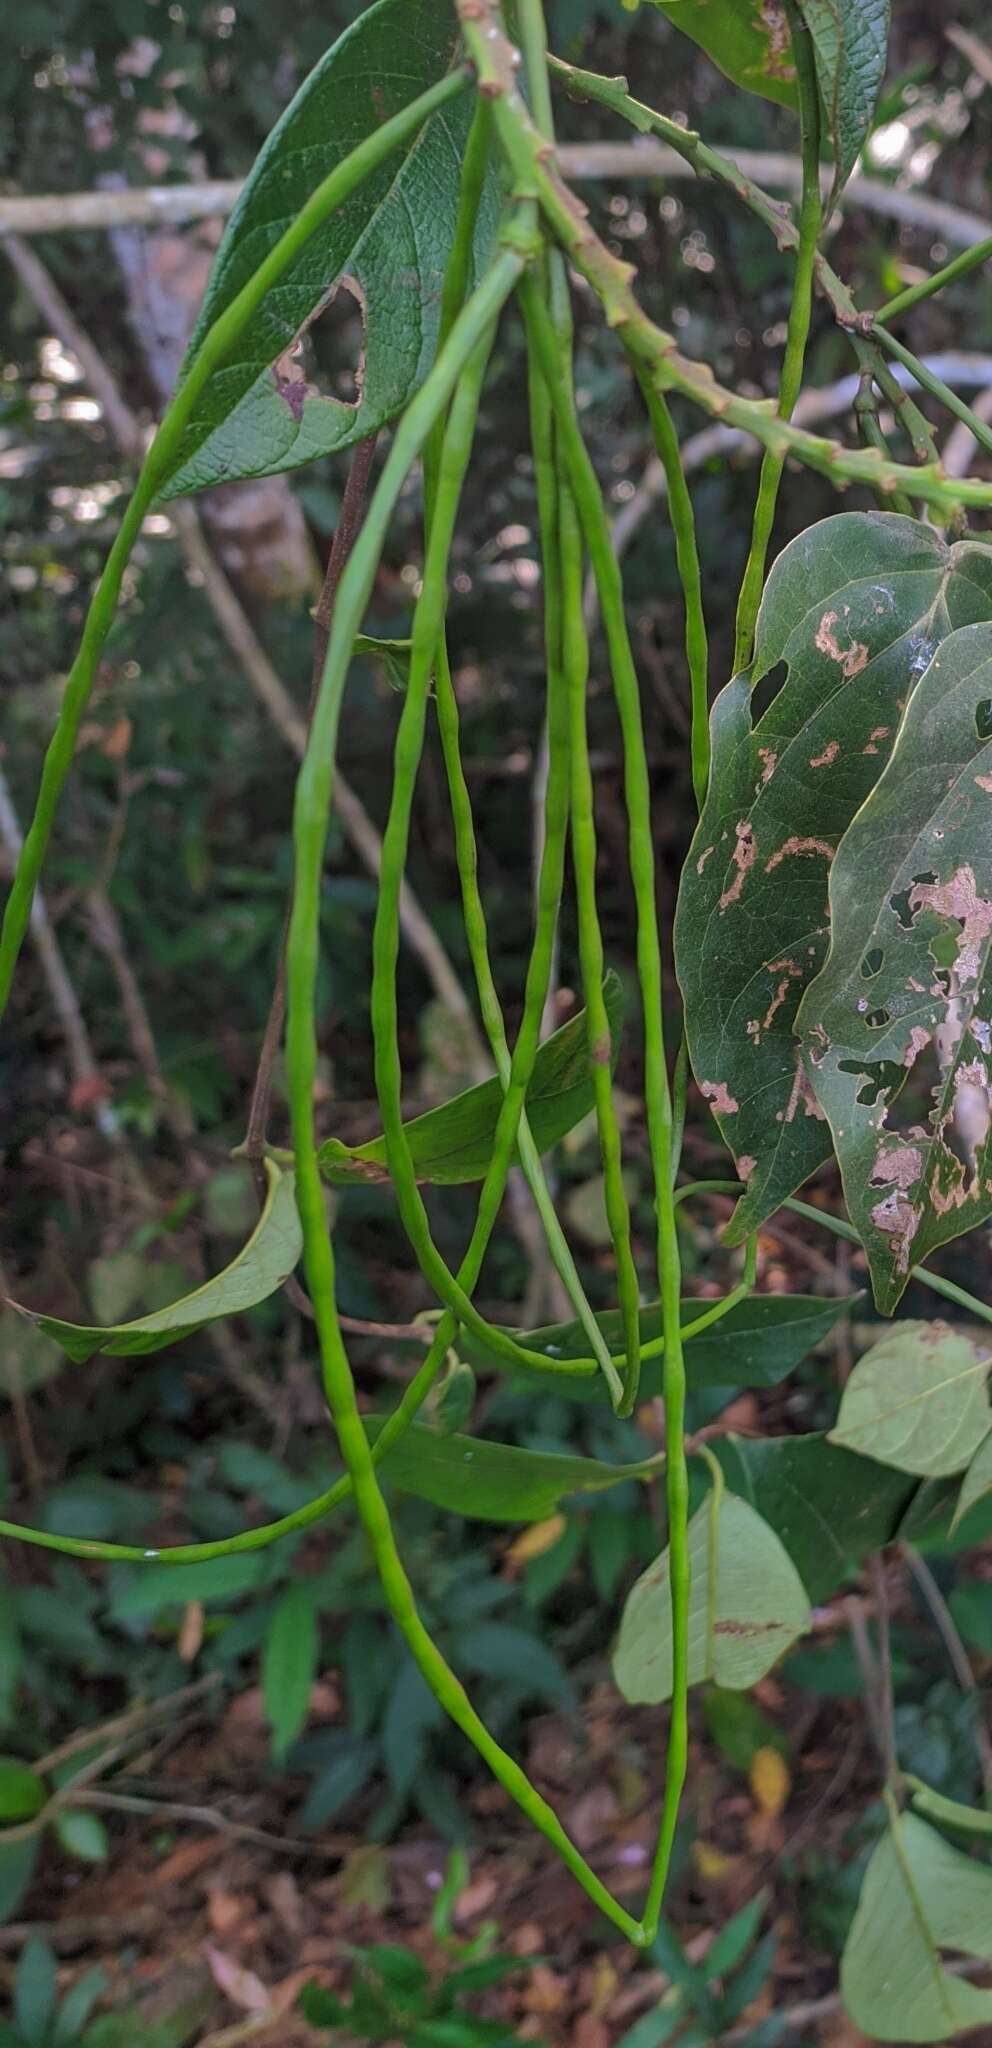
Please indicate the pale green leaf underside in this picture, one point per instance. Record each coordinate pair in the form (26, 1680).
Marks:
(748, 39)
(454, 1143)
(262, 412)
(854, 608)
(746, 1605)
(919, 1896)
(261, 1266)
(909, 977)
(977, 1481)
(917, 1400)
(494, 1482)
(849, 43)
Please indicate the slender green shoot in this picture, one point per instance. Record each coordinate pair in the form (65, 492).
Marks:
(959, 266)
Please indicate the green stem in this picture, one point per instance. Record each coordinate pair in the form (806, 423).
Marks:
(959, 266)
(935, 385)
(160, 461)
(658, 1100)
(935, 1281)
(800, 313)
(666, 442)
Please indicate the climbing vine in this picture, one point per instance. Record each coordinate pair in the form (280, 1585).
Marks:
(833, 937)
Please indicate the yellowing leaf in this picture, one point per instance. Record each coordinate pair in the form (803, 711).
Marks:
(770, 1781)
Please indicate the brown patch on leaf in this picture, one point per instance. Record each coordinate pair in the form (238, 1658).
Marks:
(802, 1093)
(769, 762)
(795, 845)
(743, 857)
(850, 660)
(719, 1097)
(828, 756)
(959, 899)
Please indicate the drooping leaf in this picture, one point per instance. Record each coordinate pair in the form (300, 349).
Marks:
(388, 247)
(22, 1792)
(977, 1481)
(494, 1482)
(919, 1896)
(828, 1506)
(750, 43)
(756, 1344)
(260, 1267)
(289, 1664)
(909, 977)
(454, 1142)
(849, 43)
(854, 608)
(917, 1400)
(746, 1605)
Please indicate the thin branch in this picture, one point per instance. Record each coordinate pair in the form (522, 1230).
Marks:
(155, 205)
(204, 1817)
(886, 1694)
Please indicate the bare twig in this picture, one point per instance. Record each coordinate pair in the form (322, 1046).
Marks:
(204, 1817)
(153, 205)
(886, 1695)
(961, 1662)
(108, 936)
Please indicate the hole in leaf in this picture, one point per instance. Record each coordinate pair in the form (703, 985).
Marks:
(901, 901)
(983, 719)
(326, 358)
(876, 1018)
(881, 1078)
(871, 964)
(766, 690)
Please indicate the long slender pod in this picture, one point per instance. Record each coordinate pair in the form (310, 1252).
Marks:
(658, 1099)
(216, 345)
(680, 511)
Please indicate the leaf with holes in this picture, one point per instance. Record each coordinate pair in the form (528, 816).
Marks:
(977, 1482)
(849, 43)
(917, 1400)
(750, 44)
(746, 1605)
(454, 1143)
(906, 991)
(260, 1267)
(387, 247)
(919, 1895)
(854, 608)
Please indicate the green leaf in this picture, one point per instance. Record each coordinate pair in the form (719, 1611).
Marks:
(829, 1507)
(971, 1606)
(388, 246)
(173, 1585)
(849, 43)
(17, 1862)
(751, 45)
(10, 1654)
(22, 1792)
(289, 1664)
(76, 2008)
(394, 655)
(854, 608)
(977, 1482)
(756, 1344)
(746, 1605)
(739, 1727)
(260, 1267)
(82, 1834)
(27, 1357)
(35, 1991)
(972, 1820)
(919, 1896)
(917, 1400)
(454, 1142)
(493, 1482)
(496, 1649)
(909, 978)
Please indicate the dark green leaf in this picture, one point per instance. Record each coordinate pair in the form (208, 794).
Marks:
(260, 1267)
(17, 1862)
(750, 44)
(830, 1507)
(909, 969)
(34, 1991)
(496, 1649)
(454, 1142)
(76, 2008)
(289, 1663)
(919, 1896)
(82, 1834)
(739, 1726)
(849, 42)
(855, 608)
(342, 1782)
(971, 1607)
(411, 1716)
(746, 1605)
(388, 245)
(158, 1586)
(977, 1482)
(10, 1654)
(493, 1482)
(755, 1344)
(22, 1792)
(917, 1400)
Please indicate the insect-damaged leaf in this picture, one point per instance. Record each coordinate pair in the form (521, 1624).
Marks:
(907, 988)
(260, 1267)
(746, 1605)
(854, 608)
(756, 1344)
(849, 43)
(748, 39)
(388, 245)
(454, 1142)
(919, 1896)
(917, 1400)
